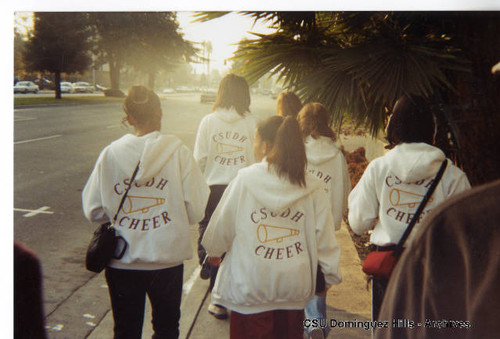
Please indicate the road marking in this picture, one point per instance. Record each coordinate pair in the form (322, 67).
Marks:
(31, 213)
(37, 139)
(186, 288)
(16, 119)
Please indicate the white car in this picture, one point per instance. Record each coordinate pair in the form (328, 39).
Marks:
(25, 87)
(83, 87)
(67, 87)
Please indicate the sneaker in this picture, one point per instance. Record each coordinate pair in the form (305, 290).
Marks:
(205, 271)
(219, 312)
(316, 333)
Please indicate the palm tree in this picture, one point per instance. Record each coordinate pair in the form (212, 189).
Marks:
(358, 64)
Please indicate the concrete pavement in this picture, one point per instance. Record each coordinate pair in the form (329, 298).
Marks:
(348, 301)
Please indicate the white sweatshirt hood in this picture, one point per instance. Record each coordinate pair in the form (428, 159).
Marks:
(158, 150)
(414, 161)
(320, 150)
(229, 116)
(279, 193)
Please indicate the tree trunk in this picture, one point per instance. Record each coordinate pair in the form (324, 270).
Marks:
(151, 80)
(57, 80)
(114, 73)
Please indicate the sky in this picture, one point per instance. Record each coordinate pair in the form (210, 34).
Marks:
(223, 33)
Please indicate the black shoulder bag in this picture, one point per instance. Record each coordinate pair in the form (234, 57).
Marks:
(104, 242)
(381, 264)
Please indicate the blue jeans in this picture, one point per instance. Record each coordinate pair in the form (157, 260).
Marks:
(316, 309)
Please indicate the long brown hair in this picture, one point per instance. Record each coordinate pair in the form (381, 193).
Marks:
(287, 154)
(314, 120)
(288, 103)
(233, 93)
(144, 106)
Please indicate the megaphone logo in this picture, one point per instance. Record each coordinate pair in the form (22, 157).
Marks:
(268, 233)
(135, 204)
(227, 148)
(399, 197)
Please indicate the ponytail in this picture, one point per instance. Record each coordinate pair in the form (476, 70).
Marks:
(288, 153)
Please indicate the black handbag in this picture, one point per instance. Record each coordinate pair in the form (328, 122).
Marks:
(104, 242)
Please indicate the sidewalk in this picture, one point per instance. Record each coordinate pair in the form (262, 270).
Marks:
(348, 301)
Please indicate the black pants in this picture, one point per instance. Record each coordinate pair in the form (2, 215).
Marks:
(128, 290)
(216, 192)
(379, 285)
(378, 291)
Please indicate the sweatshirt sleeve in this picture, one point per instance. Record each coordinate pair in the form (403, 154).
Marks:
(327, 245)
(220, 232)
(459, 182)
(200, 151)
(195, 189)
(341, 192)
(91, 196)
(363, 202)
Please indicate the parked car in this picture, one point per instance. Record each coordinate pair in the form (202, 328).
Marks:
(43, 83)
(83, 87)
(67, 87)
(208, 95)
(25, 87)
(168, 90)
(100, 88)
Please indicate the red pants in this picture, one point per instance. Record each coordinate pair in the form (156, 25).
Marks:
(286, 324)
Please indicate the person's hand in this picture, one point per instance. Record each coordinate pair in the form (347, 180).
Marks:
(214, 261)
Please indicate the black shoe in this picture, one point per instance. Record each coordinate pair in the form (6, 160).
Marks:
(205, 272)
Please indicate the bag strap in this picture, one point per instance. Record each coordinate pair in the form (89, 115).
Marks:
(399, 247)
(126, 192)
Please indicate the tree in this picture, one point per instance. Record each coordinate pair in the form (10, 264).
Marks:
(60, 43)
(147, 41)
(358, 64)
(157, 44)
(112, 32)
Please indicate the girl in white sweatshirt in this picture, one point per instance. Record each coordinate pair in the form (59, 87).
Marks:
(275, 225)
(392, 186)
(327, 163)
(223, 146)
(168, 194)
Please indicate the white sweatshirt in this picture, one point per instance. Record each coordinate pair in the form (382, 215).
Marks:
(224, 145)
(168, 195)
(393, 186)
(327, 163)
(274, 235)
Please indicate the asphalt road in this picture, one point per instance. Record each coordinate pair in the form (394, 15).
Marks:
(55, 148)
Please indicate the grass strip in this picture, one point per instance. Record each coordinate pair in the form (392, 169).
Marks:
(35, 100)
